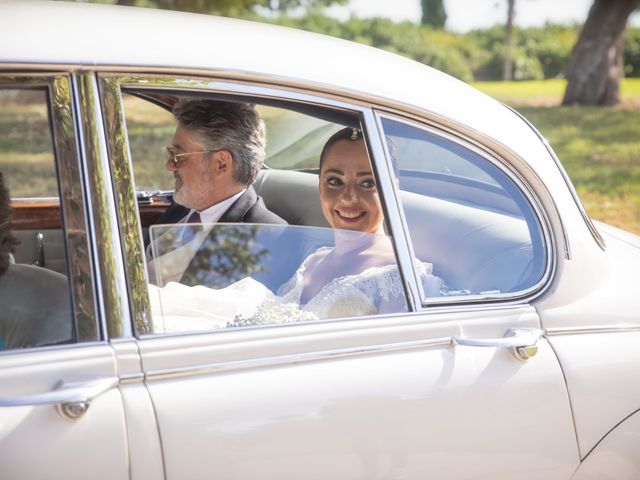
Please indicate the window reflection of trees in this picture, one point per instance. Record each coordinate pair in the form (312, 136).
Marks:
(228, 254)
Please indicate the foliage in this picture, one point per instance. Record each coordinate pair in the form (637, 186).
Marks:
(632, 53)
(433, 13)
(228, 7)
(445, 51)
(539, 52)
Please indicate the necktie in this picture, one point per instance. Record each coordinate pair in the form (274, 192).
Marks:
(193, 217)
(191, 226)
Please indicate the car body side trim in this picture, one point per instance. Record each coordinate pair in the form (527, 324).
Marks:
(296, 358)
(557, 331)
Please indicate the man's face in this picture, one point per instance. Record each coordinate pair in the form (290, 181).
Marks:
(194, 173)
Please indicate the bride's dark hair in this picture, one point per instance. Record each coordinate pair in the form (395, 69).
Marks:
(354, 134)
(7, 241)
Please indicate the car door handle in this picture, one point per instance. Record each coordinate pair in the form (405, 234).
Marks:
(72, 399)
(522, 342)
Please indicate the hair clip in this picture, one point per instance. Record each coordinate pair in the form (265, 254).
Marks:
(354, 133)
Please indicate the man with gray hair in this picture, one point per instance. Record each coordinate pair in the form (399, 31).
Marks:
(216, 153)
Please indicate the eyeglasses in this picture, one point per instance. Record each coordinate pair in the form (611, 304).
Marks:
(175, 158)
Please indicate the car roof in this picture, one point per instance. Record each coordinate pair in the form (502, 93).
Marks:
(100, 36)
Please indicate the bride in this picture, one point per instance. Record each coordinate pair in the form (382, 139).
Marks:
(358, 276)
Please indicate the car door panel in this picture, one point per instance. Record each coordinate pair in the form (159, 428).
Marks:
(599, 400)
(616, 456)
(36, 441)
(353, 401)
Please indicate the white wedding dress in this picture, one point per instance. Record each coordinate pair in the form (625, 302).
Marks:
(178, 308)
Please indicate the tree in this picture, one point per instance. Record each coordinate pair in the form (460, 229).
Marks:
(433, 13)
(507, 65)
(596, 65)
(239, 7)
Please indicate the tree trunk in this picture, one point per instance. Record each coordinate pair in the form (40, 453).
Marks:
(596, 65)
(507, 65)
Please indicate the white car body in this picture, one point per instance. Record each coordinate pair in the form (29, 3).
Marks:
(383, 397)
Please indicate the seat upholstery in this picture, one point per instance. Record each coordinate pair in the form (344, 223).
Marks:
(36, 307)
(293, 195)
(470, 248)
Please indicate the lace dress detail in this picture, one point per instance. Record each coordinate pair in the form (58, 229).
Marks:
(375, 290)
(180, 308)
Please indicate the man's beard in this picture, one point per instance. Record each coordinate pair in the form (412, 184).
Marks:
(194, 196)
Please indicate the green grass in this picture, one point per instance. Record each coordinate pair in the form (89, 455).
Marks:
(598, 146)
(547, 93)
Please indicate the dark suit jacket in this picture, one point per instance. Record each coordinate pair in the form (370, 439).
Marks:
(248, 208)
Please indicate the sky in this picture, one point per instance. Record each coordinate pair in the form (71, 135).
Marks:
(464, 15)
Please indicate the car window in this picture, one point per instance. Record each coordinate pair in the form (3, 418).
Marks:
(465, 215)
(313, 262)
(244, 275)
(35, 293)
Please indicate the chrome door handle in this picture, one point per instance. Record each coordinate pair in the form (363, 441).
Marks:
(39, 250)
(522, 342)
(72, 399)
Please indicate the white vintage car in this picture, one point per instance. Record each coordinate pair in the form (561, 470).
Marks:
(525, 364)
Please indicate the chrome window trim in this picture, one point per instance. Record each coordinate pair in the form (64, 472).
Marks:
(503, 166)
(34, 199)
(394, 213)
(126, 203)
(297, 358)
(68, 164)
(53, 348)
(598, 238)
(110, 277)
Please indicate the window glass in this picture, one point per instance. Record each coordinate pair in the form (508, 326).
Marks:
(26, 148)
(465, 215)
(150, 128)
(248, 274)
(34, 289)
(301, 242)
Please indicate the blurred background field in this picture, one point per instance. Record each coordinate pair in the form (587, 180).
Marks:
(598, 146)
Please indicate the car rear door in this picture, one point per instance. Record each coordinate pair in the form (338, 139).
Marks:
(61, 413)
